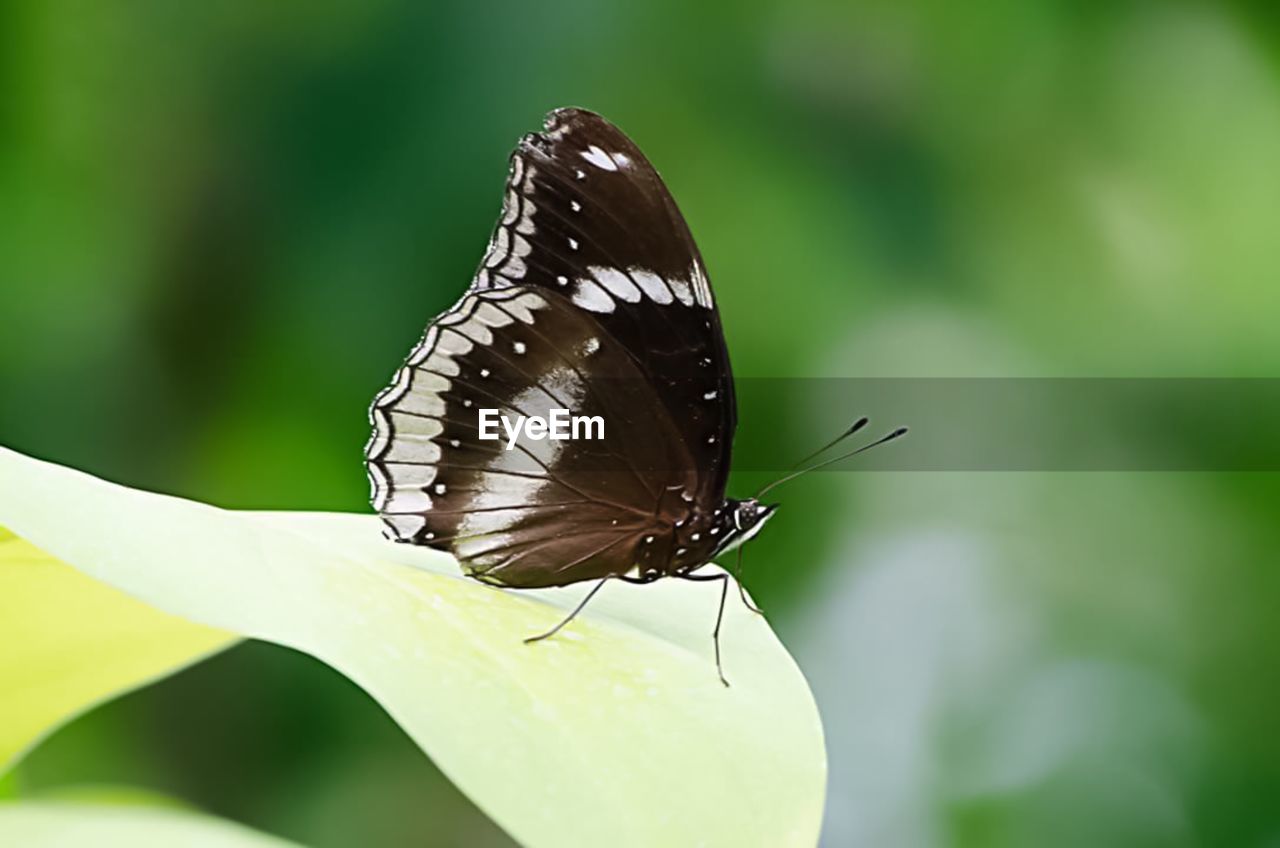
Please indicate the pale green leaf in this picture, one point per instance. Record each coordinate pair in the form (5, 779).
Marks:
(68, 824)
(616, 733)
(70, 642)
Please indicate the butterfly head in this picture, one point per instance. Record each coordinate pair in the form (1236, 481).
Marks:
(747, 518)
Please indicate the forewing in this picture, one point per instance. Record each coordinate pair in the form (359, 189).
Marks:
(586, 215)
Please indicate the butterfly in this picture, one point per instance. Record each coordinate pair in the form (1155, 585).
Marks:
(591, 299)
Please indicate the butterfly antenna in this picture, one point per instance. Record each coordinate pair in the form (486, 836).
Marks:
(898, 433)
(853, 428)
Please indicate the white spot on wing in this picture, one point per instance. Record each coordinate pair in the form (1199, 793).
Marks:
(455, 344)
(393, 393)
(408, 500)
(590, 296)
(510, 208)
(682, 289)
(407, 526)
(616, 282)
(413, 439)
(378, 484)
(526, 220)
(498, 248)
(405, 475)
(652, 285)
(492, 316)
(599, 158)
(523, 306)
(701, 288)
(425, 398)
(424, 347)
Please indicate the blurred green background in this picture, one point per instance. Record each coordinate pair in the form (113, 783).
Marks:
(222, 226)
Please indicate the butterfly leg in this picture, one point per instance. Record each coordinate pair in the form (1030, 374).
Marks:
(571, 616)
(723, 577)
(742, 592)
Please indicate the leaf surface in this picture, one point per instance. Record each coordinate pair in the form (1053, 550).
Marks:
(67, 824)
(70, 643)
(616, 732)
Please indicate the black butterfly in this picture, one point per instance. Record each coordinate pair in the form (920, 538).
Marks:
(592, 297)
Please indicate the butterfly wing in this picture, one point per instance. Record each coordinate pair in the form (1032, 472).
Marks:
(585, 214)
(591, 298)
